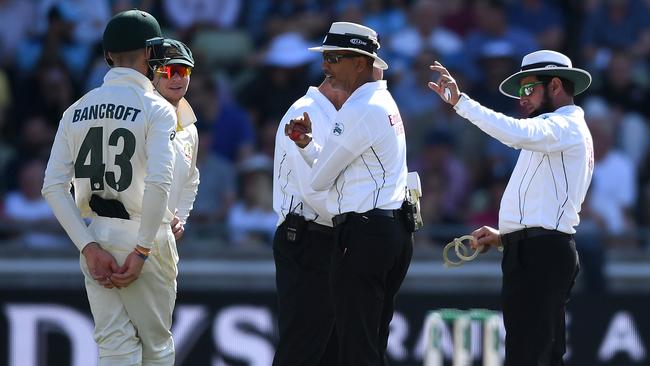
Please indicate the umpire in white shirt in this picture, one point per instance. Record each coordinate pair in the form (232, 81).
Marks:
(304, 240)
(540, 205)
(362, 166)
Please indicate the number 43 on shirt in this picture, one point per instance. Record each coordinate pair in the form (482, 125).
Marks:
(95, 170)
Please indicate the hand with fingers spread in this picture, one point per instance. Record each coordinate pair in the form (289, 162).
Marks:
(487, 237)
(446, 86)
(299, 130)
(101, 264)
(178, 229)
(130, 270)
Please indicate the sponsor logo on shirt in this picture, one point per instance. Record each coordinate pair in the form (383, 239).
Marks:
(395, 120)
(338, 128)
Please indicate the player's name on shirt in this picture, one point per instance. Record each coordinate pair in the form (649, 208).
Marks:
(105, 110)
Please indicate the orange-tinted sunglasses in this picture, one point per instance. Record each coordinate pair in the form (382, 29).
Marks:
(168, 71)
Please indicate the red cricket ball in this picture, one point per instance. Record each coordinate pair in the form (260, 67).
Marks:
(296, 131)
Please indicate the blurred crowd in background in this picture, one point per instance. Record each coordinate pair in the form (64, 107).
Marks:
(252, 63)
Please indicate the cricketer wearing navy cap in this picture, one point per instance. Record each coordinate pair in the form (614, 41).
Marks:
(128, 31)
(171, 80)
(116, 145)
(540, 206)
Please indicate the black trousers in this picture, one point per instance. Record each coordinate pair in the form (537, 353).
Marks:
(370, 261)
(306, 312)
(538, 274)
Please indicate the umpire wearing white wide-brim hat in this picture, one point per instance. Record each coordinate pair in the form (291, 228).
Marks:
(362, 167)
(352, 37)
(550, 63)
(541, 203)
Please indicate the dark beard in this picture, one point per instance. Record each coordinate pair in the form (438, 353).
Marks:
(545, 107)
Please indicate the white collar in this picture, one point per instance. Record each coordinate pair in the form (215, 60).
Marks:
(125, 75)
(185, 113)
(369, 87)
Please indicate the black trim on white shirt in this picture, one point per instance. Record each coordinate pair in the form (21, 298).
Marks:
(557, 197)
(548, 159)
(340, 192)
(523, 206)
(282, 187)
(383, 172)
(376, 198)
(566, 181)
(521, 211)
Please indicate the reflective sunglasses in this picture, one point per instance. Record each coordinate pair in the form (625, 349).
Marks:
(168, 71)
(527, 89)
(334, 58)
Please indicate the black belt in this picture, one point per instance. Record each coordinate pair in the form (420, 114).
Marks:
(108, 207)
(314, 226)
(531, 232)
(341, 218)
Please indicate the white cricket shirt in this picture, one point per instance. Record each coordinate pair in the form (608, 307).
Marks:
(363, 163)
(292, 191)
(554, 169)
(186, 175)
(116, 142)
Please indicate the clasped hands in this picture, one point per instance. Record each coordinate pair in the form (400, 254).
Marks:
(104, 268)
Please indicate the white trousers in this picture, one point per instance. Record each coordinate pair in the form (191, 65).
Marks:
(133, 324)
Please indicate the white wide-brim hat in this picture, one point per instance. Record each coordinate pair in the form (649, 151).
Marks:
(550, 63)
(352, 37)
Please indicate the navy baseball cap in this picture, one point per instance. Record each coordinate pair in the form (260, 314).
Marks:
(177, 52)
(129, 30)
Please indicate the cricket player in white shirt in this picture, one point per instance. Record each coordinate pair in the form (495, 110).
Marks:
(362, 166)
(171, 79)
(115, 146)
(304, 240)
(540, 206)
